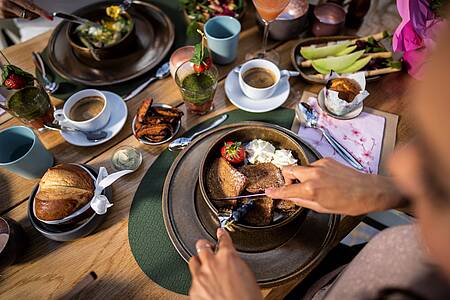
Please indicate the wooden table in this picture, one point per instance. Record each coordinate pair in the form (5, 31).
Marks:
(51, 269)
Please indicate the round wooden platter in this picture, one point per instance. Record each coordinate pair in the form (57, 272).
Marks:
(297, 58)
(155, 36)
(184, 209)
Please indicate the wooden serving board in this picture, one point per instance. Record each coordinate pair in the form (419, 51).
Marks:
(297, 58)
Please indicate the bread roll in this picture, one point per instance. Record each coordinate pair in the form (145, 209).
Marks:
(63, 190)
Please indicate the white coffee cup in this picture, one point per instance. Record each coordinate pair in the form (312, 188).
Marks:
(259, 93)
(93, 124)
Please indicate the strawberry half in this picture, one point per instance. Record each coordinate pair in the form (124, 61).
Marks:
(15, 82)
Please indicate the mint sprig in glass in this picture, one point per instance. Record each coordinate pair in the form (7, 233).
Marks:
(26, 99)
(197, 80)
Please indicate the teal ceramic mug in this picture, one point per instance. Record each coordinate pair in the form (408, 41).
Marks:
(22, 152)
(222, 33)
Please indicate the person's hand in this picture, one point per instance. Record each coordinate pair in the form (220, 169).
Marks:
(327, 186)
(221, 275)
(22, 9)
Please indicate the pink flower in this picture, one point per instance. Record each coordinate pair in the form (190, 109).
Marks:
(367, 154)
(356, 131)
(416, 34)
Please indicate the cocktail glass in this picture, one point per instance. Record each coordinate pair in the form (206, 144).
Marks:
(31, 105)
(268, 11)
(197, 89)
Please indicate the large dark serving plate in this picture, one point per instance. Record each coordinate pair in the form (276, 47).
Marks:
(188, 219)
(297, 58)
(155, 35)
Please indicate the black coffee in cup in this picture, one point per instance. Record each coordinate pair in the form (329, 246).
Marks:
(86, 108)
(259, 78)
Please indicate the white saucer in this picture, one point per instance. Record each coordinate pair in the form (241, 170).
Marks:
(237, 97)
(119, 113)
(350, 115)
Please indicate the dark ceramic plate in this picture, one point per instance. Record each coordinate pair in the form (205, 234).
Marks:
(280, 140)
(154, 38)
(297, 58)
(72, 231)
(188, 219)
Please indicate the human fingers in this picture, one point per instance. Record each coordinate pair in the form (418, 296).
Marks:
(9, 9)
(301, 173)
(297, 190)
(204, 251)
(33, 8)
(194, 265)
(313, 205)
(225, 241)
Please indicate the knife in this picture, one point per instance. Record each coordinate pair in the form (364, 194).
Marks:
(240, 197)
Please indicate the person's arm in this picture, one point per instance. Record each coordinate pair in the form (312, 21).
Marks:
(327, 186)
(221, 274)
(22, 9)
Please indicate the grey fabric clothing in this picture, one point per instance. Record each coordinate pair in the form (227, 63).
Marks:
(393, 260)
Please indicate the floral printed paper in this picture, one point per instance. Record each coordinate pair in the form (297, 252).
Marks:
(362, 136)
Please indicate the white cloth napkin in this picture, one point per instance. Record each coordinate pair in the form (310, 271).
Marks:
(100, 203)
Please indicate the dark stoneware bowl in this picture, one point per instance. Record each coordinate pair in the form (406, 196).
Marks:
(116, 50)
(12, 243)
(68, 231)
(279, 231)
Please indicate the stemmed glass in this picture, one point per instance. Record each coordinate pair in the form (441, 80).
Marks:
(268, 10)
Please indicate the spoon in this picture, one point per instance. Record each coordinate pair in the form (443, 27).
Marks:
(126, 4)
(161, 73)
(311, 119)
(183, 142)
(49, 86)
(93, 136)
(75, 19)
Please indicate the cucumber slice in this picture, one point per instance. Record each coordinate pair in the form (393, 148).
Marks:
(346, 51)
(313, 52)
(357, 65)
(337, 63)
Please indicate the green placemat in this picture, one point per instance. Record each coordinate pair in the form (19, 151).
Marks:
(150, 244)
(172, 9)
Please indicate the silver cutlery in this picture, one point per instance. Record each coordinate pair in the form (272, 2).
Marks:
(240, 197)
(311, 118)
(93, 136)
(228, 218)
(49, 86)
(74, 19)
(183, 142)
(126, 4)
(161, 73)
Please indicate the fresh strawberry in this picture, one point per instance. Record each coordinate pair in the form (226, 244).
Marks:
(233, 152)
(199, 68)
(15, 82)
(15, 78)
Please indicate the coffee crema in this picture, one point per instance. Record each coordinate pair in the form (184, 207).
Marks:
(259, 78)
(86, 108)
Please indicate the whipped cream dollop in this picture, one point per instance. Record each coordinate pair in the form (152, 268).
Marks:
(259, 151)
(283, 158)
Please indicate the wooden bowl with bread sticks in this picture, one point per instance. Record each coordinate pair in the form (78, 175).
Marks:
(156, 124)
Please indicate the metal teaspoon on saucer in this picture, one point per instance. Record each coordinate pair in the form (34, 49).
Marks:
(93, 136)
